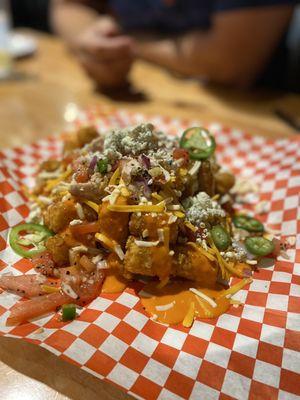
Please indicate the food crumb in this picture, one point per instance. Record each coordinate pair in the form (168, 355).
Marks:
(38, 331)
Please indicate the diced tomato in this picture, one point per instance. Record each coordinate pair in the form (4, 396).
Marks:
(26, 310)
(69, 158)
(86, 291)
(85, 228)
(82, 174)
(87, 264)
(181, 153)
(44, 264)
(25, 285)
(90, 289)
(114, 262)
(192, 236)
(277, 247)
(118, 163)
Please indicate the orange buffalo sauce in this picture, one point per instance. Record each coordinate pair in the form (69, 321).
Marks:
(114, 281)
(172, 303)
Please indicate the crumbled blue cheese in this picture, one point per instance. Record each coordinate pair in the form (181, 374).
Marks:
(130, 141)
(201, 208)
(239, 251)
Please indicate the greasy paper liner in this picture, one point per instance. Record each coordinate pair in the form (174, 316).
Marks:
(253, 351)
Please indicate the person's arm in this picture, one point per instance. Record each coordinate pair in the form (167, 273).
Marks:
(70, 17)
(96, 39)
(234, 51)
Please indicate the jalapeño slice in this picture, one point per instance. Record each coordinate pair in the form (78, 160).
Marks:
(220, 237)
(259, 246)
(248, 223)
(198, 142)
(32, 243)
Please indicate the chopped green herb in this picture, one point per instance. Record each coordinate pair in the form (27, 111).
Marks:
(102, 166)
(68, 312)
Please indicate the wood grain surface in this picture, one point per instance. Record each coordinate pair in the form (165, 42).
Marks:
(38, 101)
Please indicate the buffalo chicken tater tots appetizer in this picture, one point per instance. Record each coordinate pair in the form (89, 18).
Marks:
(131, 205)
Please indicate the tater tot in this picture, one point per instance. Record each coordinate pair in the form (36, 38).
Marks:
(59, 215)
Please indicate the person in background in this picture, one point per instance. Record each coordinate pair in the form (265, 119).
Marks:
(238, 43)
(31, 14)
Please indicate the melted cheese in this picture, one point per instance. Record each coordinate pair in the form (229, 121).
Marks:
(114, 282)
(179, 293)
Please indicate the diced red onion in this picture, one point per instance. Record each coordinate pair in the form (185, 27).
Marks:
(143, 182)
(93, 164)
(247, 273)
(145, 161)
(249, 255)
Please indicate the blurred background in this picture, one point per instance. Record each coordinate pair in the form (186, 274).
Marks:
(35, 14)
(237, 62)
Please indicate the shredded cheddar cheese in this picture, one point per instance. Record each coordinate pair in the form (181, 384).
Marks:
(157, 196)
(190, 226)
(32, 196)
(179, 214)
(235, 302)
(204, 252)
(207, 312)
(50, 289)
(215, 197)
(54, 182)
(166, 237)
(235, 288)
(158, 208)
(204, 297)
(163, 282)
(106, 241)
(115, 176)
(123, 189)
(230, 267)
(91, 204)
(189, 318)
(219, 258)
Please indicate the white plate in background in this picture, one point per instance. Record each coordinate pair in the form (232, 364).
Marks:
(22, 45)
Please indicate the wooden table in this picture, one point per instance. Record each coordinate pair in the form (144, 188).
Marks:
(34, 105)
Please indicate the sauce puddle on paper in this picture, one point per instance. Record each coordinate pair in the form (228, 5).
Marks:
(171, 303)
(114, 282)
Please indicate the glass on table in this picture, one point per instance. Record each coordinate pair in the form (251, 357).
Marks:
(5, 56)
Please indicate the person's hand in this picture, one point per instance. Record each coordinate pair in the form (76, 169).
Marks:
(105, 53)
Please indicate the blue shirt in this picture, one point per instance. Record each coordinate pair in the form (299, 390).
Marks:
(177, 15)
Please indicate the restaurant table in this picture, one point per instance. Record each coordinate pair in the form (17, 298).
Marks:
(40, 98)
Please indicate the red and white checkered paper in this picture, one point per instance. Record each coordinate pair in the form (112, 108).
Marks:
(252, 352)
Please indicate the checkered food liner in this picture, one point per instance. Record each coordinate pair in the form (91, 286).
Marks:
(253, 351)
